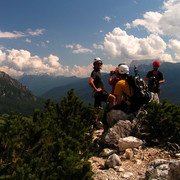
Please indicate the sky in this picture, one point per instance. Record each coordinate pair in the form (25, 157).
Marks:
(62, 37)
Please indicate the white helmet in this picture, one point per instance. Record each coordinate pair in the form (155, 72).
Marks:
(97, 59)
(123, 69)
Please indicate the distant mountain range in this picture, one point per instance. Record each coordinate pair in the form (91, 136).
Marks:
(30, 92)
(16, 98)
(43, 83)
(57, 87)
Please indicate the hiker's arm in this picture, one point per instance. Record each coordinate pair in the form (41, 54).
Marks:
(110, 80)
(91, 83)
(162, 81)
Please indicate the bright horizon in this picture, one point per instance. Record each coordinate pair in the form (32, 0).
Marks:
(62, 37)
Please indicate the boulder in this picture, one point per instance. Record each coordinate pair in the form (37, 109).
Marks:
(161, 169)
(115, 115)
(107, 152)
(129, 142)
(113, 161)
(111, 138)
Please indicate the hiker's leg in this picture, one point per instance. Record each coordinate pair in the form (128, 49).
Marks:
(97, 100)
(111, 100)
(104, 121)
(98, 109)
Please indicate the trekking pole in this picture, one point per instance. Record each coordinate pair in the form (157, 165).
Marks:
(136, 71)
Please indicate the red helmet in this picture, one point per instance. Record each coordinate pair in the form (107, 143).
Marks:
(156, 63)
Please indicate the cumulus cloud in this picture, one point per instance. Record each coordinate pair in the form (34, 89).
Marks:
(166, 23)
(150, 22)
(77, 49)
(161, 43)
(19, 62)
(119, 45)
(175, 45)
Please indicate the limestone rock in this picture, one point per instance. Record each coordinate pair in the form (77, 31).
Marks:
(119, 130)
(129, 142)
(115, 115)
(113, 161)
(163, 170)
(107, 152)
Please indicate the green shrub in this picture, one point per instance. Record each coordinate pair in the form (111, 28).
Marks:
(164, 120)
(54, 144)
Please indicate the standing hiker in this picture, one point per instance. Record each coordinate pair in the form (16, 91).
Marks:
(155, 78)
(96, 82)
(100, 95)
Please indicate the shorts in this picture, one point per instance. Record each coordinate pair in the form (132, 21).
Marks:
(100, 96)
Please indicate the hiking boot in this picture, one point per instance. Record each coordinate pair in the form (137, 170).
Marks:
(98, 125)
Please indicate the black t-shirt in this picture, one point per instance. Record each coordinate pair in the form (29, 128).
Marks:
(153, 84)
(96, 75)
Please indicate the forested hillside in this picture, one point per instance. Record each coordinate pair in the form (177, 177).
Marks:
(17, 98)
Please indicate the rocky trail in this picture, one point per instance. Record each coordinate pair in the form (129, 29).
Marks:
(138, 163)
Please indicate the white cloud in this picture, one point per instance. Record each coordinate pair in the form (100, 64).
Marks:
(37, 32)
(166, 23)
(18, 34)
(14, 34)
(11, 71)
(81, 71)
(2, 56)
(28, 40)
(107, 18)
(119, 45)
(175, 46)
(43, 44)
(98, 46)
(18, 62)
(84, 71)
(71, 46)
(150, 22)
(82, 50)
(78, 48)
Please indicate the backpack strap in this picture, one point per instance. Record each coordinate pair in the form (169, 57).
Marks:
(127, 97)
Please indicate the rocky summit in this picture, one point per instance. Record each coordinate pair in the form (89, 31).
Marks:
(120, 156)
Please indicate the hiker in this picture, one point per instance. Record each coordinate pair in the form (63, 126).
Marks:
(155, 78)
(113, 80)
(122, 87)
(96, 82)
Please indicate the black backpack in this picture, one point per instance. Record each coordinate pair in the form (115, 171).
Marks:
(139, 90)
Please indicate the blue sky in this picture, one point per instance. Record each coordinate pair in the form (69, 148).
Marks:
(61, 37)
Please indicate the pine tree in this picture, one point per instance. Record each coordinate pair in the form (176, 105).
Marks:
(164, 120)
(53, 144)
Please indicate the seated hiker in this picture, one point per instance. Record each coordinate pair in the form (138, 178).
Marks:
(155, 78)
(121, 101)
(122, 87)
